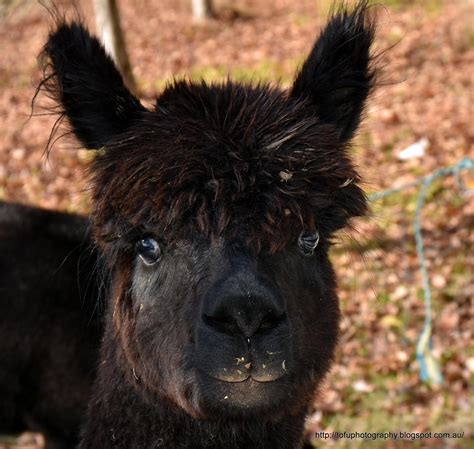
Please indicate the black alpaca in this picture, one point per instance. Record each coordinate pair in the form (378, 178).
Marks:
(214, 212)
(49, 328)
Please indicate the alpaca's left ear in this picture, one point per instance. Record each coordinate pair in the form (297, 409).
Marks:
(337, 76)
(89, 90)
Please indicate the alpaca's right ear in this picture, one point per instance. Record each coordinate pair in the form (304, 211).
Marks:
(89, 89)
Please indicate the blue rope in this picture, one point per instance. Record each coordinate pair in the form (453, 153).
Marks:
(429, 368)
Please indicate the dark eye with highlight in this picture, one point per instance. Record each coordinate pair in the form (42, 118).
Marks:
(149, 251)
(307, 242)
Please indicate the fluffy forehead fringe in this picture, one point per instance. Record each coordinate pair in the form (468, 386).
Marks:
(226, 160)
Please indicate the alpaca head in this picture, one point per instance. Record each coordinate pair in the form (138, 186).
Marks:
(215, 210)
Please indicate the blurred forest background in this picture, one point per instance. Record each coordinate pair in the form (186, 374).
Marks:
(426, 95)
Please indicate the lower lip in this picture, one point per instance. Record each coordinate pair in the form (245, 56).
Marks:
(249, 379)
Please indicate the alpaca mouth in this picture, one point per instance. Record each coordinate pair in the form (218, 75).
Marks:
(239, 377)
(261, 364)
(245, 394)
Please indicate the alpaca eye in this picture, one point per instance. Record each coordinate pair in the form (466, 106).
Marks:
(148, 250)
(307, 242)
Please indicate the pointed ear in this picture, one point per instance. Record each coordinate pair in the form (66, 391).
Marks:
(337, 76)
(88, 88)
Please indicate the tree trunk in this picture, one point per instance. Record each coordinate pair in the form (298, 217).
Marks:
(202, 10)
(108, 25)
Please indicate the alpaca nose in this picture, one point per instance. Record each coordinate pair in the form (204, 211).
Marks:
(244, 315)
(243, 304)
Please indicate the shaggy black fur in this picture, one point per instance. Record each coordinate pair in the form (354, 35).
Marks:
(49, 333)
(219, 324)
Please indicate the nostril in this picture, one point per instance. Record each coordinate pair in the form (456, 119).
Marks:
(225, 324)
(270, 322)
